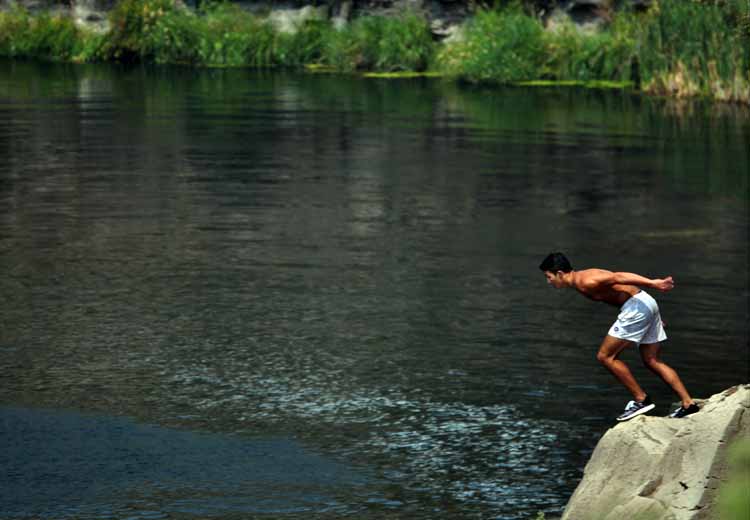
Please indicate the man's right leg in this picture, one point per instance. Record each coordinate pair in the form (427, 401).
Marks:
(608, 354)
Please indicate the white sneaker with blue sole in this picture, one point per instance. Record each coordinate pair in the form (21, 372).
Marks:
(635, 408)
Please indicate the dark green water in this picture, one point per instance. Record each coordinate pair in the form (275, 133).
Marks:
(233, 294)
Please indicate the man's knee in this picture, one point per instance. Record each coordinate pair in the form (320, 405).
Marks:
(651, 361)
(650, 356)
(604, 358)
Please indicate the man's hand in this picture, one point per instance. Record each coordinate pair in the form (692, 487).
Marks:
(664, 284)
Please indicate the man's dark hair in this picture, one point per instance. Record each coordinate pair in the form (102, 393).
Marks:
(556, 262)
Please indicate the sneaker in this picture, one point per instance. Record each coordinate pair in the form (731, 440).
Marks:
(634, 408)
(684, 412)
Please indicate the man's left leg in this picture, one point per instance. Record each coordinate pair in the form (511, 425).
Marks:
(650, 357)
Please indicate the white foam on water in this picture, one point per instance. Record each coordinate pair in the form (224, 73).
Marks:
(488, 456)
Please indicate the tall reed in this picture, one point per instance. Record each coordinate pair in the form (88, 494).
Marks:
(401, 43)
(697, 47)
(680, 48)
(574, 55)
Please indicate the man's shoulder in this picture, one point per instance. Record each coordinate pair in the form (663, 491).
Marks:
(593, 272)
(592, 277)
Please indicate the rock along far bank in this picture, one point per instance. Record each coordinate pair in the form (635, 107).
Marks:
(663, 469)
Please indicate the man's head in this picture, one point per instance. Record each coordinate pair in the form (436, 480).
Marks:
(555, 266)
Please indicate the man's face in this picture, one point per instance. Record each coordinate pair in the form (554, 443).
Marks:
(555, 279)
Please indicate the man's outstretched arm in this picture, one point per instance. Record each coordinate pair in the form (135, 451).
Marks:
(593, 278)
(661, 284)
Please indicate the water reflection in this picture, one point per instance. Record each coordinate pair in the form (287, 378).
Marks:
(353, 263)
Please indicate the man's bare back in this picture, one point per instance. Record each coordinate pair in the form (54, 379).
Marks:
(614, 288)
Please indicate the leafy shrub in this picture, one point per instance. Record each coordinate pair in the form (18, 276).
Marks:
(219, 34)
(41, 36)
(306, 46)
(573, 55)
(381, 43)
(734, 499)
(498, 46)
(151, 30)
(229, 36)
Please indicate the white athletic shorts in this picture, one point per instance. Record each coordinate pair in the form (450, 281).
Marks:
(639, 321)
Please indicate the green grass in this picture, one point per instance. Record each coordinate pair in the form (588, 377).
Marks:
(734, 497)
(605, 56)
(499, 46)
(379, 43)
(402, 75)
(44, 36)
(151, 30)
(306, 46)
(598, 84)
(679, 48)
(222, 34)
(160, 31)
(508, 46)
(691, 47)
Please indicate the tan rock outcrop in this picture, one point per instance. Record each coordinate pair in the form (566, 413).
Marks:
(656, 468)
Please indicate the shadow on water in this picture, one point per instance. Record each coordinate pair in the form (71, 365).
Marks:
(350, 264)
(67, 465)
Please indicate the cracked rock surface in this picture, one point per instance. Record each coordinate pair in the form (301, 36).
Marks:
(661, 468)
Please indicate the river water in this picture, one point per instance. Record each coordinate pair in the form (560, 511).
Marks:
(231, 294)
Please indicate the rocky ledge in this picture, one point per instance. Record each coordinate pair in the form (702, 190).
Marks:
(663, 469)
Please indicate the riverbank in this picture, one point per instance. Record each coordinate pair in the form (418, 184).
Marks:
(676, 48)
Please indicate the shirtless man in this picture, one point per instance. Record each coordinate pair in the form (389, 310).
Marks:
(638, 323)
